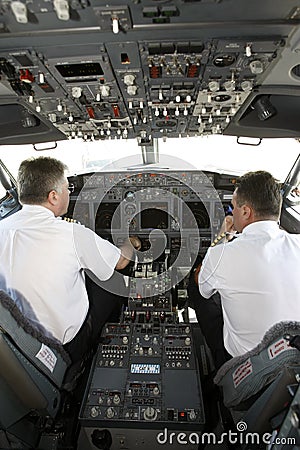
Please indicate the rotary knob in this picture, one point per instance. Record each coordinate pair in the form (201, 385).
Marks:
(214, 86)
(156, 390)
(187, 341)
(76, 91)
(256, 67)
(192, 415)
(150, 413)
(229, 86)
(129, 79)
(104, 90)
(94, 412)
(110, 412)
(132, 90)
(116, 399)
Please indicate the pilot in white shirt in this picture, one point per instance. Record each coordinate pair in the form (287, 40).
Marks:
(258, 273)
(43, 258)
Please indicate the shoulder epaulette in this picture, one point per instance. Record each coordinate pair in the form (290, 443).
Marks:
(69, 219)
(218, 239)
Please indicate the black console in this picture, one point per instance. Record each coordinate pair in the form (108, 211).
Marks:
(145, 382)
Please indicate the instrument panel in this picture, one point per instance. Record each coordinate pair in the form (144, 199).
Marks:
(170, 211)
(175, 214)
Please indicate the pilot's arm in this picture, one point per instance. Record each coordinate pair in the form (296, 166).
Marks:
(99, 256)
(127, 250)
(206, 278)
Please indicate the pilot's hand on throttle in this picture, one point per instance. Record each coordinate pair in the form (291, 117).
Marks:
(127, 251)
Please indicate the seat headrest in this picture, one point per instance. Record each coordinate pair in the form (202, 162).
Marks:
(243, 376)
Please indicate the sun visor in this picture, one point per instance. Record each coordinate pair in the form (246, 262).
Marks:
(19, 125)
(271, 112)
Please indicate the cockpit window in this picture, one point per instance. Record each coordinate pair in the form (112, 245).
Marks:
(214, 153)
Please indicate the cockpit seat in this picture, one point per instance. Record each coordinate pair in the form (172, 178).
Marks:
(32, 374)
(255, 384)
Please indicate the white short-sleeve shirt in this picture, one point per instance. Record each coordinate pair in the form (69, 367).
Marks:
(42, 262)
(258, 278)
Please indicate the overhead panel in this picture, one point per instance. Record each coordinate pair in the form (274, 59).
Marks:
(142, 69)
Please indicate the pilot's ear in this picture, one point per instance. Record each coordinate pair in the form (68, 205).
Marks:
(247, 212)
(52, 197)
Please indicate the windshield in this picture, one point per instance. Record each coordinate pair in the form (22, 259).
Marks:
(215, 153)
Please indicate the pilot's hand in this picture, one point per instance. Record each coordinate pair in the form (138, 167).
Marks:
(136, 243)
(196, 273)
(228, 227)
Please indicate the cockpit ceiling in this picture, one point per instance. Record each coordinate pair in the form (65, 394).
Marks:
(148, 69)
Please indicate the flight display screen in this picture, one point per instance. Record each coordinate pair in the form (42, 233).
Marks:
(145, 368)
(154, 215)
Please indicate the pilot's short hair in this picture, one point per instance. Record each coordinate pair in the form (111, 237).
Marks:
(39, 176)
(261, 191)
